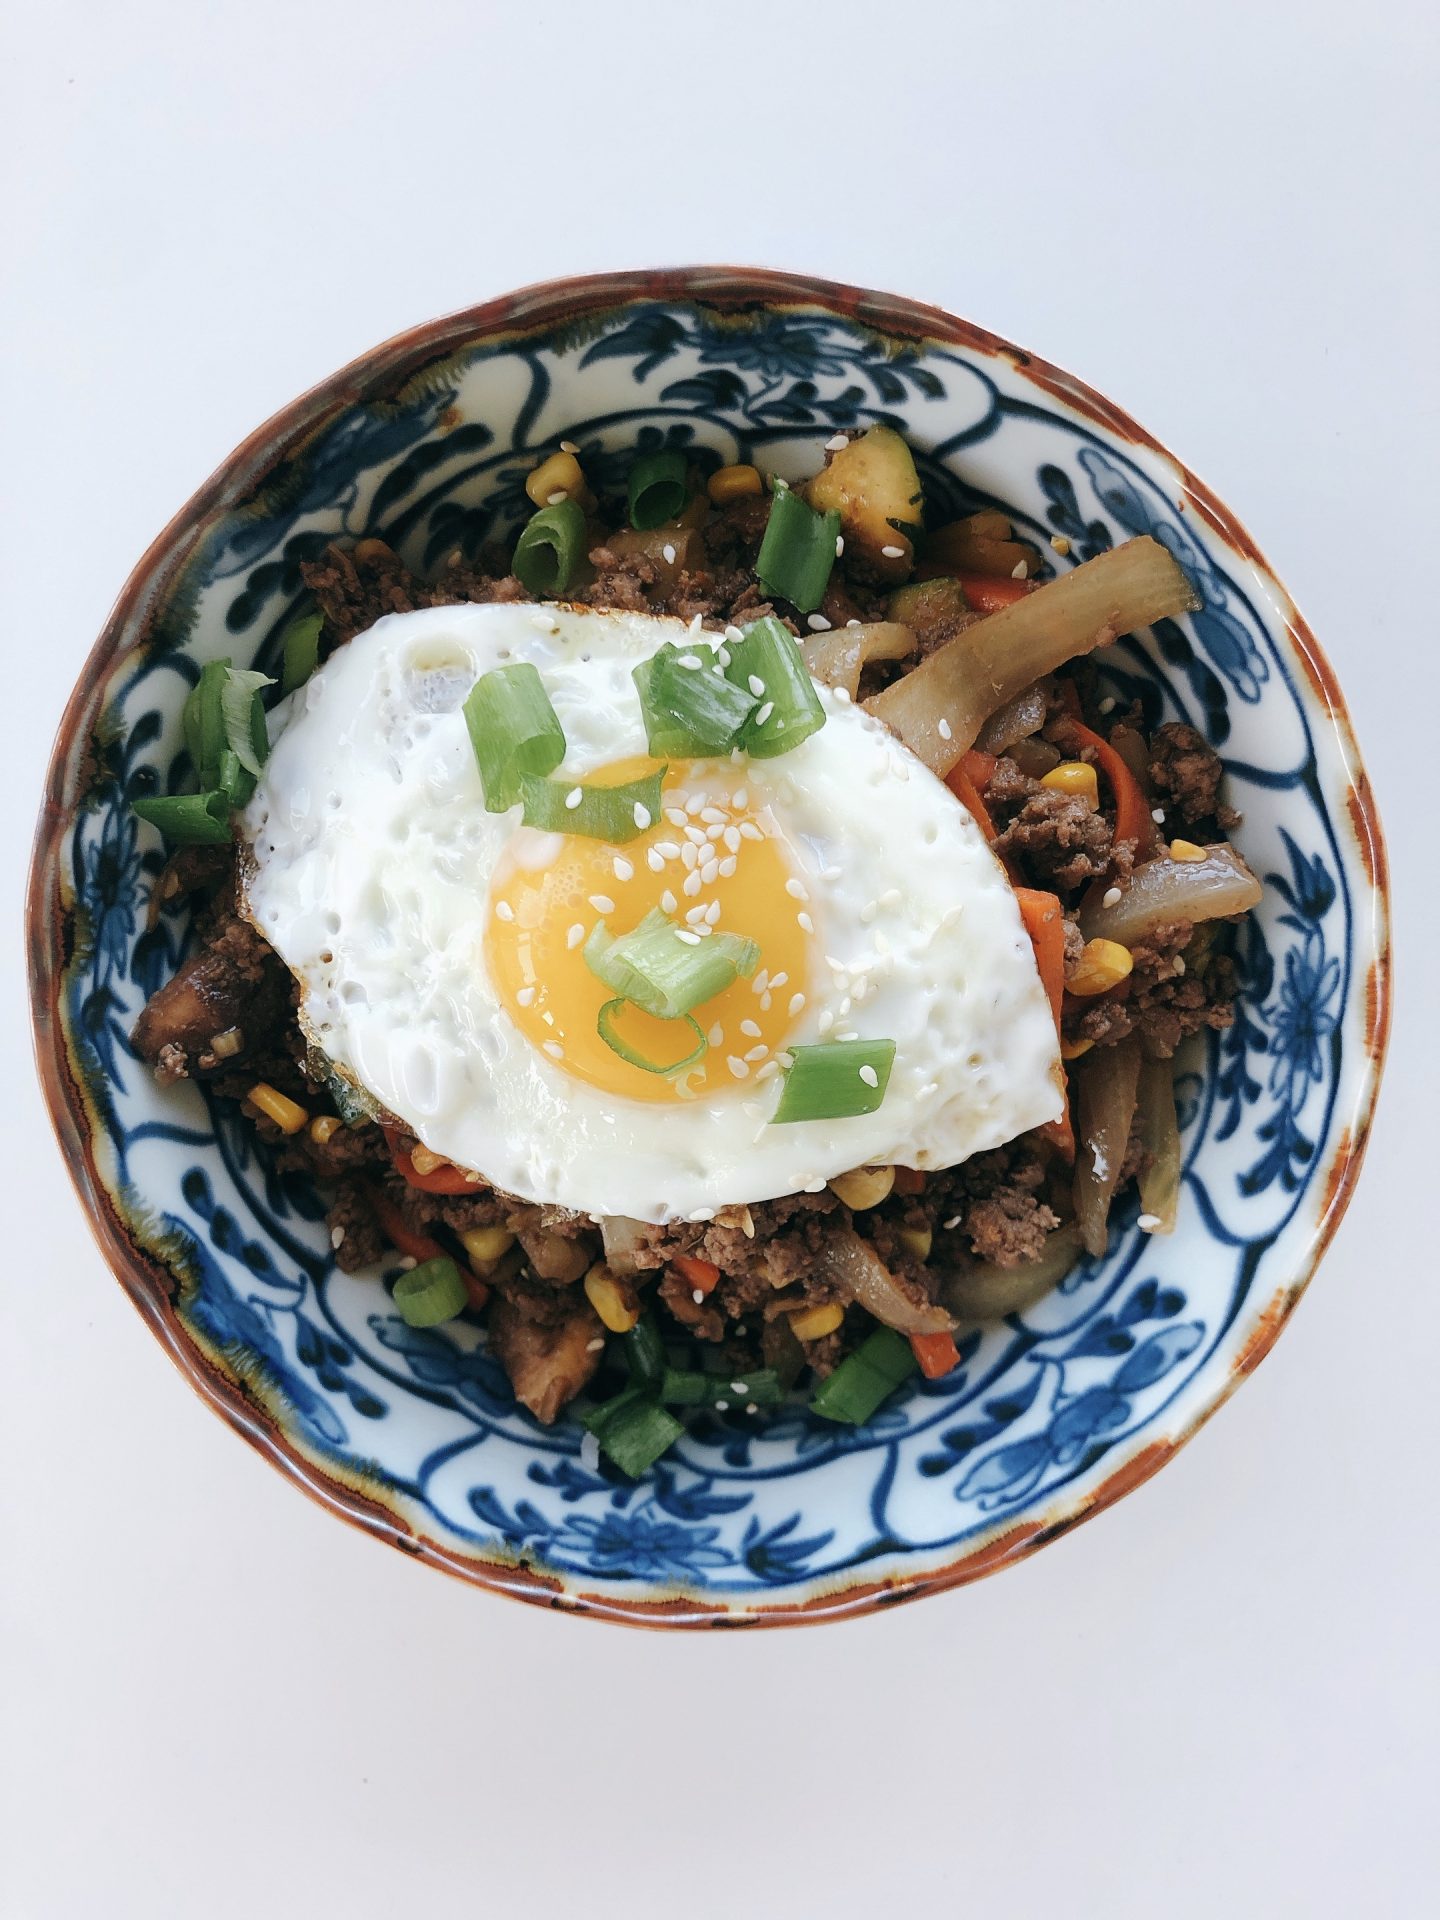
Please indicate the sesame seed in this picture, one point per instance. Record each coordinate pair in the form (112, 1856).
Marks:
(697, 836)
(839, 545)
(675, 816)
(868, 912)
(709, 872)
(408, 1264)
(842, 695)
(778, 979)
(594, 1346)
(554, 499)
(690, 660)
(943, 728)
(668, 901)
(749, 1027)
(722, 1406)
(669, 552)
(337, 1238)
(554, 1049)
(869, 1076)
(825, 1022)
(693, 914)
(767, 1072)
(568, 446)
(655, 860)
(796, 889)
(504, 910)
(698, 1296)
(716, 1035)
(545, 622)
(950, 1225)
(575, 935)
(760, 981)
(837, 443)
(731, 837)
(694, 804)
(1148, 1222)
(574, 797)
(849, 1034)
(1059, 543)
(737, 1067)
(668, 849)
(691, 885)
(742, 797)
(890, 897)
(797, 1001)
(727, 867)
(691, 938)
(526, 996)
(764, 713)
(602, 903)
(641, 815)
(756, 1053)
(1018, 571)
(749, 831)
(844, 1006)
(623, 869)
(1179, 965)
(1157, 814)
(893, 553)
(756, 686)
(854, 623)
(805, 923)
(688, 855)
(1107, 705)
(1111, 897)
(817, 623)
(766, 1002)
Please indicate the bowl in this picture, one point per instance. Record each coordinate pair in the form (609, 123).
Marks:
(414, 1435)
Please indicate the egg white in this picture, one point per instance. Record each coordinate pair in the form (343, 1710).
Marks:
(371, 855)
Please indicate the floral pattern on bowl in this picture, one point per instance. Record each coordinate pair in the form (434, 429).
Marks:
(415, 1434)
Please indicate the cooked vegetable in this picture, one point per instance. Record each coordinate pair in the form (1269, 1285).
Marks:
(767, 663)
(982, 543)
(1132, 808)
(936, 1353)
(244, 719)
(1106, 1083)
(967, 780)
(854, 1265)
(616, 814)
(613, 1297)
(734, 483)
(427, 1172)
(657, 488)
(605, 1027)
(798, 551)
(1045, 924)
(431, 1293)
(988, 664)
(863, 1187)
(300, 650)
(690, 709)
(682, 1388)
(988, 1292)
(561, 473)
(873, 485)
(839, 656)
(551, 548)
(836, 1080)
(402, 1236)
(189, 819)
(203, 720)
(1165, 890)
(814, 1323)
(1015, 721)
(701, 1276)
(622, 1239)
(1103, 964)
(513, 730)
(645, 1352)
(1160, 1136)
(855, 1391)
(660, 970)
(633, 1429)
(986, 594)
(1077, 778)
(935, 610)
(670, 550)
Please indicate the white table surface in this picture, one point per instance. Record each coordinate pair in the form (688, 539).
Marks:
(1219, 1698)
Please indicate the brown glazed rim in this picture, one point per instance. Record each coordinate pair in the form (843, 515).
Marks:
(146, 1280)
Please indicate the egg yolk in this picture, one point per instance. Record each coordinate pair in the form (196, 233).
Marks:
(711, 860)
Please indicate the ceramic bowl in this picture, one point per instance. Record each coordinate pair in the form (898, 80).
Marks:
(414, 1435)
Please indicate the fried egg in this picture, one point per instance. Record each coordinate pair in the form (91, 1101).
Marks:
(439, 948)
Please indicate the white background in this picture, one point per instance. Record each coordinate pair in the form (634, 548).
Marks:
(1218, 1698)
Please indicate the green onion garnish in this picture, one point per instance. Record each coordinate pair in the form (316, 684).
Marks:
(789, 708)
(615, 814)
(513, 730)
(245, 731)
(300, 648)
(633, 1429)
(854, 1392)
(690, 710)
(663, 972)
(657, 489)
(798, 551)
(644, 1351)
(721, 1390)
(605, 1027)
(203, 719)
(189, 819)
(550, 548)
(836, 1080)
(431, 1293)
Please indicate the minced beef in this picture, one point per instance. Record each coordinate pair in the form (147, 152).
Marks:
(1185, 773)
(1058, 837)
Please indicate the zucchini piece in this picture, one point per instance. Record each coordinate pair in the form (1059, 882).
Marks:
(873, 485)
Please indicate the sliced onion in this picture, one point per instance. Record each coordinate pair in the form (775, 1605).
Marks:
(1160, 1136)
(1106, 1083)
(854, 1263)
(837, 657)
(1016, 720)
(988, 1292)
(683, 544)
(623, 1239)
(971, 676)
(1163, 891)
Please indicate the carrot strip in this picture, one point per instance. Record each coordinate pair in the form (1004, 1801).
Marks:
(908, 1182)
(1045, 924)
(702, 1276)
(403, 1237)
(1132, 809)
(936, 1352)
(450, 1180)
(967, 780)
(985, 594)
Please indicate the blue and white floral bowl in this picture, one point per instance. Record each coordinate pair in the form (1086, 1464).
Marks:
(415, 1435)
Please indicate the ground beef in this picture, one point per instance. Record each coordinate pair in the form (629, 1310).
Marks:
(1185, 774)
(1163, 1000)
(1058, 837)
(353, 1233)
(354, 588)
(996, 1203)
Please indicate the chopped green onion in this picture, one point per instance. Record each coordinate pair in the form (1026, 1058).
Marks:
(644, 1351)
(664, 973)
(721, 1390)
(690, 712)
(615, 814)
(431, 1293)
(798, 551)
(300, 647)
(550, 548)
(854, 1392)
(513, 730)
(657, 490)
(204, 722)
(789, 709)
(234, 780)
(633, 1429)
(837, 1080)
(244, 717)
(189, 819)
(605, 1027)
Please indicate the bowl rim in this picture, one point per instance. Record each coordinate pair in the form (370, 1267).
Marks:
(146, 1281)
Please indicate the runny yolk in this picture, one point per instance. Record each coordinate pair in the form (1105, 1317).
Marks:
(550, 890)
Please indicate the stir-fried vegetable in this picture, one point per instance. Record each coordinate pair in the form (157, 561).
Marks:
(865, 1379)
(872, 484)
(431, 1293)
(836, 1080)
(513, 730)
(1165, 890)
(300, 650)
(615, 813)
(982, 544)
(1132, 809)
(988, 1292)
(987, 665)
(657, 488)
(1106, 1083)
(856, 1266)
(1160, 1136)
(841, 655)
(798, 552)
(551, 548)
(669, 550)
(1016, 720)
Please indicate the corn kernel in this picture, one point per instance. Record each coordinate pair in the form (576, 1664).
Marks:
(226, 1045)
(1072, 1049)
(865, 1187)
(815, 1322)
(733, 483)
(1103, 964)
(916, 1240)
(484, 1245)
(424, 1161)
(612, 1298)
(287, 1114)
(1076, 777)
(324, 1127)
(561, 473)
(1186, 850)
